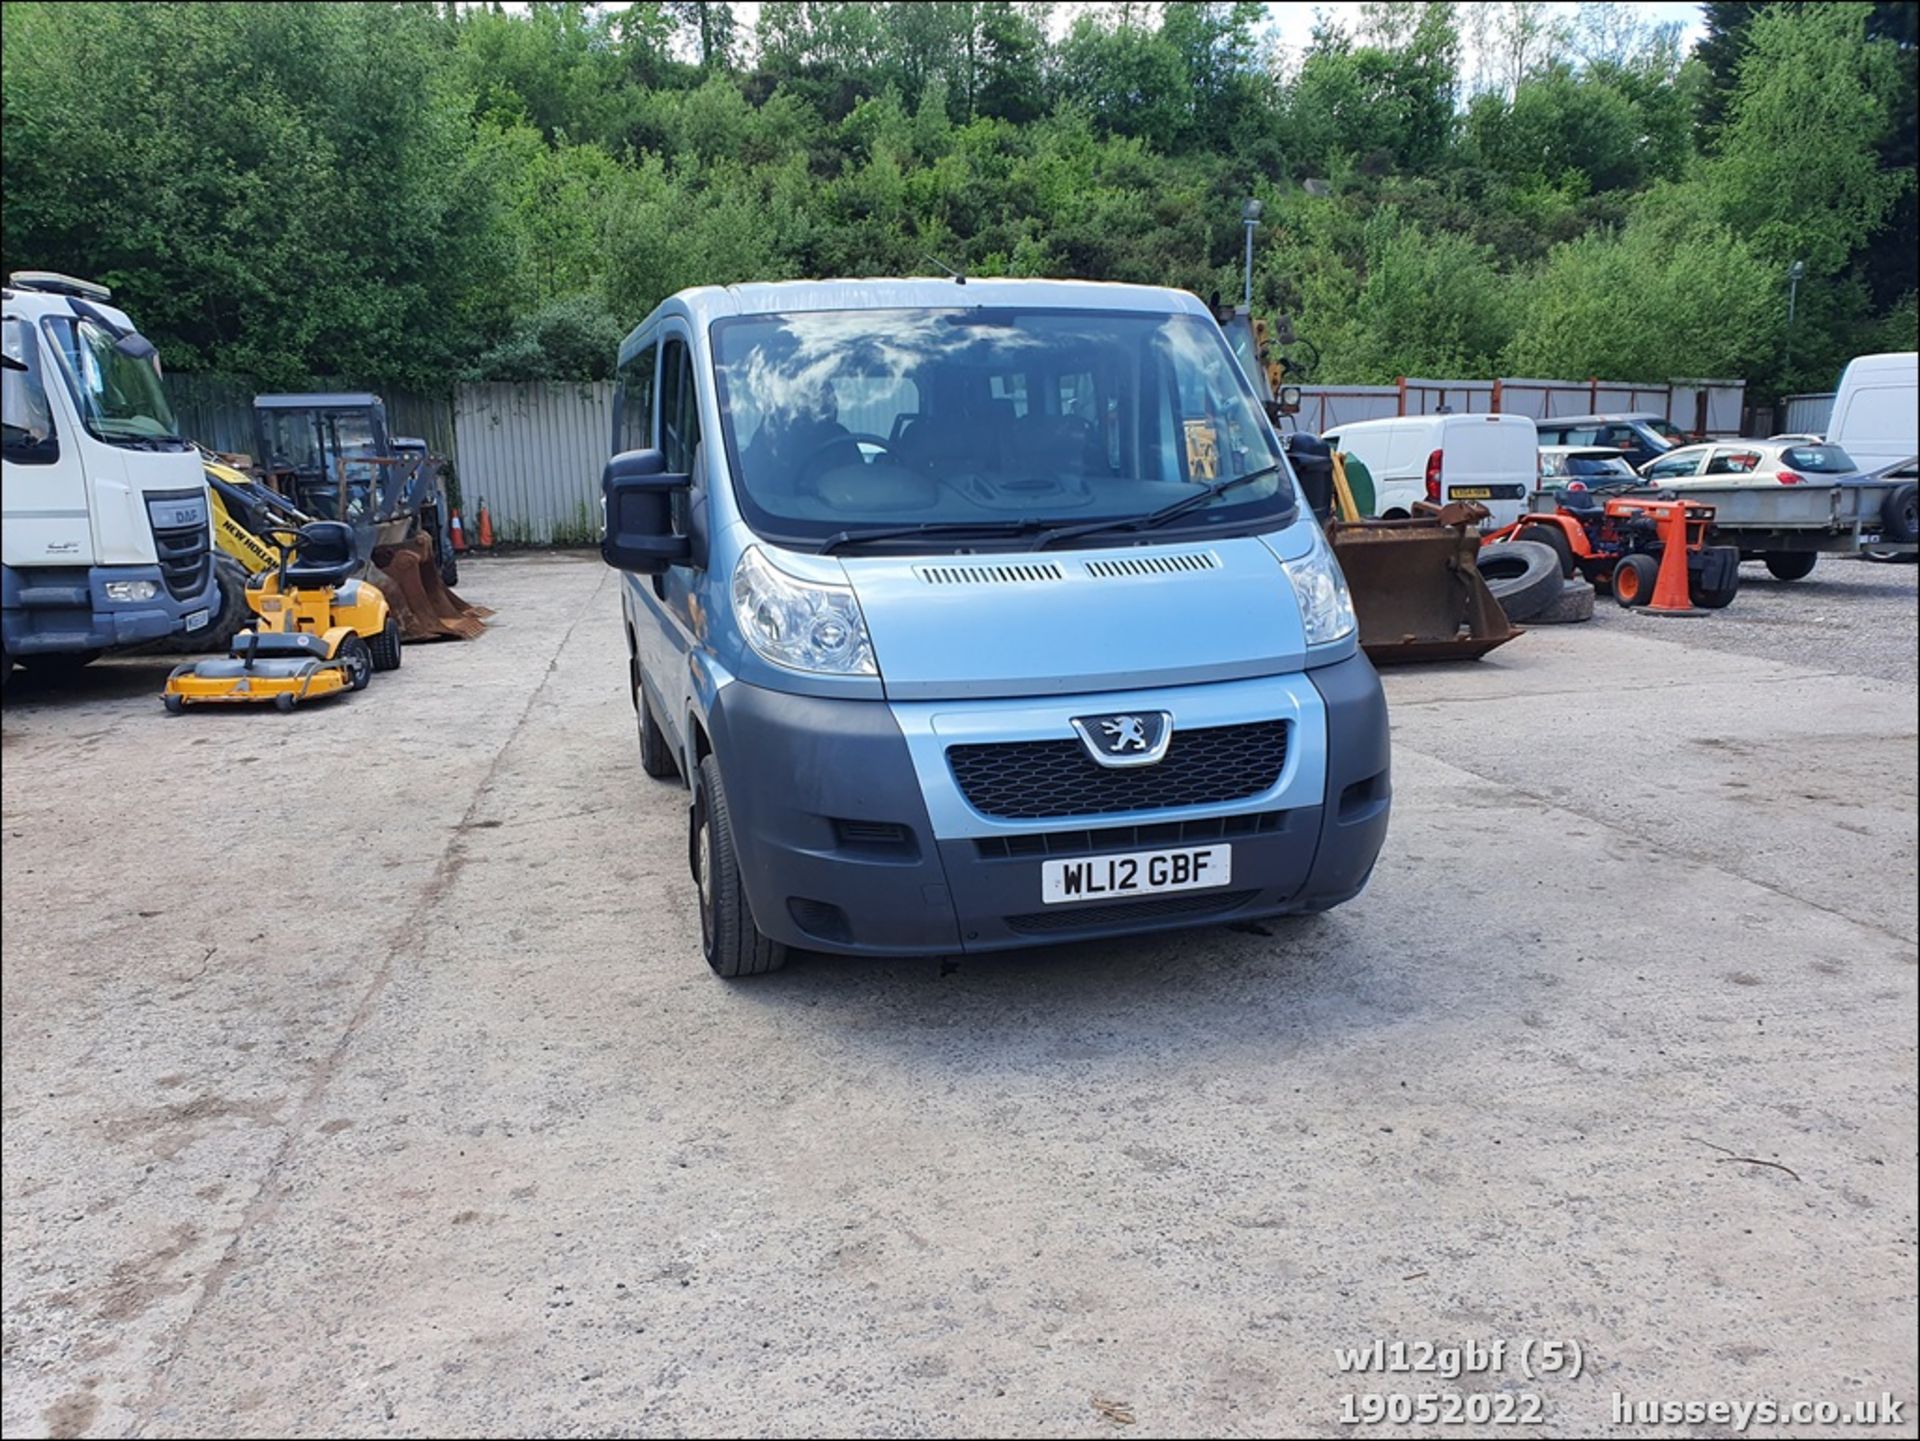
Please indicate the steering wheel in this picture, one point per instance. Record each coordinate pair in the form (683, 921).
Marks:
(852, 437)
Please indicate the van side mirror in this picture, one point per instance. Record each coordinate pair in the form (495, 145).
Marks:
(636, 496)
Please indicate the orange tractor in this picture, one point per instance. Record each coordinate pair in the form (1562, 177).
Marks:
(1620, 544)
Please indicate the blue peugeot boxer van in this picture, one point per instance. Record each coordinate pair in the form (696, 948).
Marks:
(980, 614)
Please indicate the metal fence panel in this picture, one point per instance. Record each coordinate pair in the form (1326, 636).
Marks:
(1808, 414)
(216, 410)
(1328, 407)
(534, 452)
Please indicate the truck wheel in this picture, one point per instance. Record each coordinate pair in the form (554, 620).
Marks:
(1633, 580)
(385, 647)
(1524, 577)
(1555, 539)
(1900, 516)
(1792, 564)
(729, 939)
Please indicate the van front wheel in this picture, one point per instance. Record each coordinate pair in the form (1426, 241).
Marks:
(729, 939)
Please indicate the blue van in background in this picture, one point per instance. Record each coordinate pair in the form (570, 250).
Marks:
(978, 615)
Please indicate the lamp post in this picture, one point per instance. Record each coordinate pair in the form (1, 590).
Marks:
(1794, 273)
(1249, 217)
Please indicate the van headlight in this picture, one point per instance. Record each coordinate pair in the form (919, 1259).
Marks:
(1326, 609)
(801, 624)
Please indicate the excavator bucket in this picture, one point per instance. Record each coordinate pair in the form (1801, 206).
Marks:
(420, 600)
(1416, 590)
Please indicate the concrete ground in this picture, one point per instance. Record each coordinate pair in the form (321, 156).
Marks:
(362, 1075)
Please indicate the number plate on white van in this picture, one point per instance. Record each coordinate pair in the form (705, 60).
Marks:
(1140, 873)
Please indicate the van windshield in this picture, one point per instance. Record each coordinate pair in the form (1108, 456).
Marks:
(985, 422)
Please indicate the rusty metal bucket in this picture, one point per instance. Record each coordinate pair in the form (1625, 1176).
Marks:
(1416, 590)
(418, 598)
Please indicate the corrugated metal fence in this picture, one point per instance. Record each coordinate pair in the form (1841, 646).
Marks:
(534, 453)
(1808, 414)
(217, 411)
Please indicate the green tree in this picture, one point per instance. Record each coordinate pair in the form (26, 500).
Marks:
(1798, 169)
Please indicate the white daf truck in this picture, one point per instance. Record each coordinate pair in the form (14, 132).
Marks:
(106, 533)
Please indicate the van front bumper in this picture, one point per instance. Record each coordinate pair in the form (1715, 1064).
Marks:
(853, 836)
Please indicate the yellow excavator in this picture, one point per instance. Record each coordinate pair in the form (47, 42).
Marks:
(1417, 590)
(247, 515)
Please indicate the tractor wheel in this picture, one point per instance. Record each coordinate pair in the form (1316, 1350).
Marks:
(1792, 564)
(1633, 580)
(1555, 539)
(355, 655)
(230, 612)
(1524, 577)
(385, 647)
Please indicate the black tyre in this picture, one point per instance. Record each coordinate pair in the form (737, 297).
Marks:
(1633, 580)
(357, 657)
(385, 647)
(174, 704)
(230, 612)
(1555, 539)
(450, 570)
(729, 939)
(1714, 598)
(1890, 557)
(1524, 577)
(1900, 515)
(656, 756)
(1792, 564)
(283, 702)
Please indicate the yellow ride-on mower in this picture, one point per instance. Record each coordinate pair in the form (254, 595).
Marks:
(319, 631)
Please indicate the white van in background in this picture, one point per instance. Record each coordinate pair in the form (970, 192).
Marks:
(1494, 459)
(1876, 411)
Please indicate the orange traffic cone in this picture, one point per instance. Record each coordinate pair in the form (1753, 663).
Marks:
(459, 535)
(1671, 595)
(486, 528)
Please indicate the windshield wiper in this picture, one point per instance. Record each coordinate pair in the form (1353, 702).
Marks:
(1172, 511)
(984, 529)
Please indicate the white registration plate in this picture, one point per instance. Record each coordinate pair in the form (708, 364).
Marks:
(199, 619)
(1139, 873)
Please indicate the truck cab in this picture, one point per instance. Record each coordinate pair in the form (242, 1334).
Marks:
(978, 616)
(106, 539)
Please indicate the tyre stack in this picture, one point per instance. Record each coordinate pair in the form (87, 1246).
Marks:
(1527, 575)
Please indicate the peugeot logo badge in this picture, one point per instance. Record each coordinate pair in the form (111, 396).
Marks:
(1137, 738)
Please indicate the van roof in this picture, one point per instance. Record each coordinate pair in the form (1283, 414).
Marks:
(1503, 417)
(706, 303)
(1557, 422)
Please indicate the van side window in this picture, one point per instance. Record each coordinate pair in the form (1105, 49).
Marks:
(636, 400)
(679, 423)
(679, 408)
(30, 436)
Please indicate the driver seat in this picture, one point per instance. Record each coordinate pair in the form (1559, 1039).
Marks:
(323, 554)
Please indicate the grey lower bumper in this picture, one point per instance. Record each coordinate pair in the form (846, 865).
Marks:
(837, 853)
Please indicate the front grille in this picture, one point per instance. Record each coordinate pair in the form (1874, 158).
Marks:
(1032, 780)
(184, 552)
(1073, 918)
(1127, 838)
